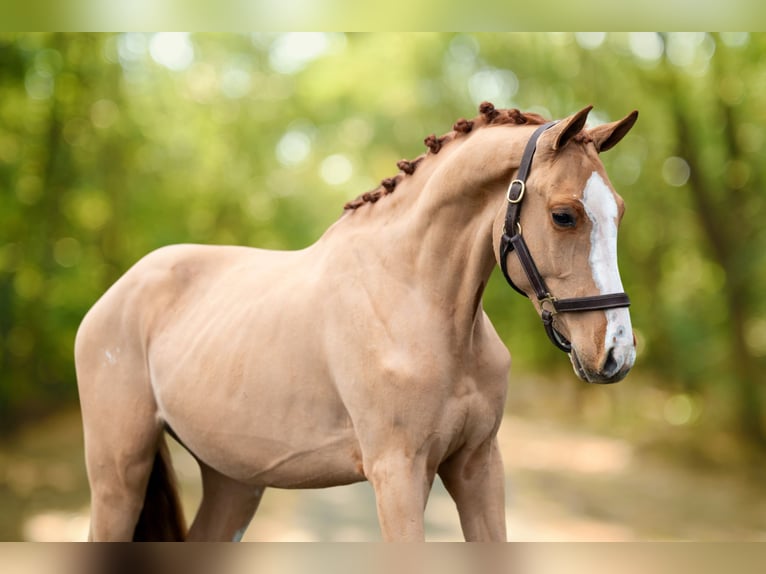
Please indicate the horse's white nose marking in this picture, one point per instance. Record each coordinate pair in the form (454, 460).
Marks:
(601, 208)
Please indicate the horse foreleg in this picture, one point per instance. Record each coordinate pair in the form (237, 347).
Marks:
(401, 491)
(475, 480)
(226, 510)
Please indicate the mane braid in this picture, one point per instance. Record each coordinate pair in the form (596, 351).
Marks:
(488, 116)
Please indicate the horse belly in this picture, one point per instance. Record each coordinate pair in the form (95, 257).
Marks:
(240, 381)
(263, 425)
(291, 454)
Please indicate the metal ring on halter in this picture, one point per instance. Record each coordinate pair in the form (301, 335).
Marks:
(521, 194)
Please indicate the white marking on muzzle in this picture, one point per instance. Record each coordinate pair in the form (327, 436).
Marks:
(601, 208)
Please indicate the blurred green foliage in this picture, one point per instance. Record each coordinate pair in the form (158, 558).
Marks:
(112, 145)
(285, 15)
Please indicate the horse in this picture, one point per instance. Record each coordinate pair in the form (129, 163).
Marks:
(364, 356)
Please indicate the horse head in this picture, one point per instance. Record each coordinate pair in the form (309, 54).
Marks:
(569, 223)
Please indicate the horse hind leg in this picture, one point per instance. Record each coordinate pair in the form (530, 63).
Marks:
(119, 466)
(226, 509)
(122, 430)
(133, 488)
(139, 503)
(120, 461)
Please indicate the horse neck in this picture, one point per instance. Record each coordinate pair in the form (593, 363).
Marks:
(433, 233)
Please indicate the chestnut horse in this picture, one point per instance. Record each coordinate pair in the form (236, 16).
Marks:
(365, 356)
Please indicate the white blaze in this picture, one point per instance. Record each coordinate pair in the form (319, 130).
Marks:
(601, 208)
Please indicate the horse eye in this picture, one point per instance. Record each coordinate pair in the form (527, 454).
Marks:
(563, 219)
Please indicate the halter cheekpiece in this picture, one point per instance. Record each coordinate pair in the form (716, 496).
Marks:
(513, 240)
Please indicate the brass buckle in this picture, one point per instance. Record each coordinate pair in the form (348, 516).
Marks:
(521, 195)
(549, 299)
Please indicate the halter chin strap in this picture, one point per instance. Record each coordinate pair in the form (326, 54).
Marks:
(512, 240)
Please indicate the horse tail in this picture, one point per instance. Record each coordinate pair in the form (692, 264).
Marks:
(162, 517)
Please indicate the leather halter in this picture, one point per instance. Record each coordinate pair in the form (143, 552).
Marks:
(515, 241)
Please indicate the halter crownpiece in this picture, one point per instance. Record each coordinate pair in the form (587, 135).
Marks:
(513, 240)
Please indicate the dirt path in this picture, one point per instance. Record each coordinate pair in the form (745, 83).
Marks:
(561, 485)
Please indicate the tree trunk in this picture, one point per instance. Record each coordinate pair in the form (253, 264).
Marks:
(718, 227)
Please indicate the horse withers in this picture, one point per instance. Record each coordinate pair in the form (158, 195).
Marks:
(365, 356)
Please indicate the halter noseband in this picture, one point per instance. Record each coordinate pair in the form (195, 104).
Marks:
(515, 241)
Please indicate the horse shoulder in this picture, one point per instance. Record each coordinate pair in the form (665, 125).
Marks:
(480, 394)
(492, 358)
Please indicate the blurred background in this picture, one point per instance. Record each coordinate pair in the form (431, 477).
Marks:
(112, 145)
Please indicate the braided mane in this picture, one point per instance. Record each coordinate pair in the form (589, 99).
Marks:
(488, 116)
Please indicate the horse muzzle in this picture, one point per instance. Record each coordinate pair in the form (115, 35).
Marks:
(614, 367)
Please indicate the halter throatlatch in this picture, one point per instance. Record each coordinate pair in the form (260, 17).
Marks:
(512, 240)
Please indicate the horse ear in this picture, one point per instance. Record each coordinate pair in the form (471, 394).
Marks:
(606, 136)
(569, 127)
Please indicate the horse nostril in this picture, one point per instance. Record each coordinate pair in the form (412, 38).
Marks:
(610, 364)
